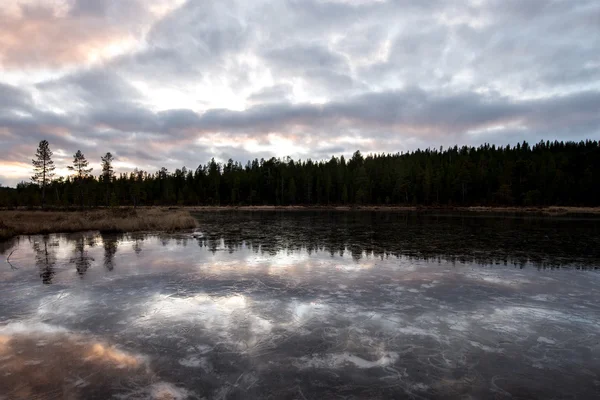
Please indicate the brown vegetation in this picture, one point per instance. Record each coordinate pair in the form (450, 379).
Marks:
(107, 220)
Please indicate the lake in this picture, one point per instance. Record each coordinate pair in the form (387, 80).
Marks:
(307, 305)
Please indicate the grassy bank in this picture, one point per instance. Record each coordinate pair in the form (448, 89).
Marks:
(14, 223)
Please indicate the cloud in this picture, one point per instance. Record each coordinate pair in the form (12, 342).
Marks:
(272, 94)
(174, 82)
(54, 34)
(299, 58)
(41, 37)
(13, 98)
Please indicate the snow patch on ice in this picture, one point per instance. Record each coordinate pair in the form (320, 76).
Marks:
(484, 347)
(458, 325)
(195, 362)
(419, 386)
(543, 339)
(305, 311)
(165, 390)
(414, 331)
(159, 391)
(24, 327)
(343, 359)
(541, 297)
(199, 348)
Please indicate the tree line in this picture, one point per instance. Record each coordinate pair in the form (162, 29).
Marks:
(547, 173)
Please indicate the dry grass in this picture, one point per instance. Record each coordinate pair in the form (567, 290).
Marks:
(111, 220)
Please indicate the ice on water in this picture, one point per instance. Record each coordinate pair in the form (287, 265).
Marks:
(289, 313)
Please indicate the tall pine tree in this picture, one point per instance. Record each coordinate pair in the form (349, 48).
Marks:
(107, 174)
(81, 170)
(43, 168)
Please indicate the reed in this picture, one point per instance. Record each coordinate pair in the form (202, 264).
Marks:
(14, 223)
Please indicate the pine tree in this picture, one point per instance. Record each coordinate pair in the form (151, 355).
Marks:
(80, 167)
(107, 174)
(43, 168)
(107, 168)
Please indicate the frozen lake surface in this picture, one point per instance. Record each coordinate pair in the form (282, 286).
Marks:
(306, 306)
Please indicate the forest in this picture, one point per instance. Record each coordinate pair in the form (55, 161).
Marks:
(545, 174)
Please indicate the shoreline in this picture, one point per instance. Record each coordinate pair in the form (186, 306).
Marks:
(550, 211)
(172, 218)
(546, 210)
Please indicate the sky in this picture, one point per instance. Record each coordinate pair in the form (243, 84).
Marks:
(174, 83)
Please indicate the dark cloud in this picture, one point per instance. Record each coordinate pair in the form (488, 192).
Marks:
(411, 109)
(95, 87)
(13, 98)
(300, 58)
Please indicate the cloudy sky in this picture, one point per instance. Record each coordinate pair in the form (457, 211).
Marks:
(174, 82)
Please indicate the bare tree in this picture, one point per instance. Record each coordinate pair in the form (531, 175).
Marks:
(43, 168)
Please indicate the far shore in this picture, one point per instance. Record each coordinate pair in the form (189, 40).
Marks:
(173, 218)
(552, 210)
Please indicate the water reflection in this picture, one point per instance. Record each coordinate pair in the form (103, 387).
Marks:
(473, 238)
(137, 244)
(81, 259)
(46, 361)
(252, 309)
(7, 245)
(111, 244)
(45, 257)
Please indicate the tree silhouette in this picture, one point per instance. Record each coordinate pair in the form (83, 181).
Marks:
(111, 244)
(137, 245)
(107, 174)
(43, 168)
(80, 257)
(81, 172)
(545, 174)
(44, 259)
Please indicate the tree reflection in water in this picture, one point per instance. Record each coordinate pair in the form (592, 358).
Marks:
(45, 258)
(80, 258)
(111, 244)
(454, 237)
(137, 244)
